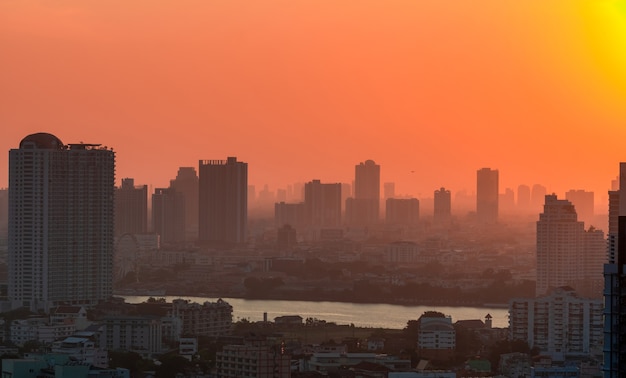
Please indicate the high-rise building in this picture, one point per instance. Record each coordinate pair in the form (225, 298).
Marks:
(131, 208)
(442, 206)
(223, 201)
(389, 190)
(523, 197)
(537, 195)
(186, 182)
(487, 195)
(322, 203)
(364, 207)
(567, 255)
(61, 223)
(168, 215)
(615, 284)
(402, 211)
(4, 213)
(583, 201)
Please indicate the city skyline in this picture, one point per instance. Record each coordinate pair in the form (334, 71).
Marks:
(431, 90)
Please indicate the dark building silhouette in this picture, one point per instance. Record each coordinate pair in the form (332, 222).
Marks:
(487, 195)
(614, 365)
(364, 207)
(442, 206)
(293, 214)
(131, 208)
(168, 215)
(223, 201)
(61, 223)
(389, 190)
(4, 213)
(322, 204)
(523, 197)
(186, 183)
(402, 211)
(537, 195)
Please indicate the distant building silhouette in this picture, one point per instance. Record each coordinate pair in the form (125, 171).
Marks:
(506, 201)
(389, 190)
(131, 208)
(61, 223)
(186, 183)
(583, 201)
(223, 201)
(442, 206)
(402, 211)
(567, 255)
(523, 197)
(487, 195)
(537, 196)
(322, 204)
(293, 214)
(364, 207)
(168, 215)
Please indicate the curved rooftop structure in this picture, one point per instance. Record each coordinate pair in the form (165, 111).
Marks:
(42, 141)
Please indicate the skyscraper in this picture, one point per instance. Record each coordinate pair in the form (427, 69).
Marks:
(567, 255)
(131, 208)
(322, 203)
(614, 365)
(61, 223)
(523, 197)
(442, 206)
(487, 195)
(223, 201)
(186, 182)
(168, 215)
(364, 208)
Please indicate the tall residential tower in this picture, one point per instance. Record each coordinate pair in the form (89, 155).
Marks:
(61, 223)
(223, 201)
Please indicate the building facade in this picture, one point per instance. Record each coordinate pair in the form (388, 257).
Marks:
(560, 324)
(168, 215)
(567, 255)
(402, 211)
(442, 206)
(322, 203)
(186, 182)
(487, 195)
(131, 208)
(364, 208)
(61, 223)
(223, 201)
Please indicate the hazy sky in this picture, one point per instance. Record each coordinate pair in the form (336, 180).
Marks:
(432, 90)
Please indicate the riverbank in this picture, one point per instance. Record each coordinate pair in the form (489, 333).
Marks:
(319, 298)
(379, 315)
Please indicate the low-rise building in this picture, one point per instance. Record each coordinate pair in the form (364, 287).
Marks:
(208, 319)
(253, 359)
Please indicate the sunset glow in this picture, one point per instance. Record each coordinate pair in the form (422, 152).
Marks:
(431, 90)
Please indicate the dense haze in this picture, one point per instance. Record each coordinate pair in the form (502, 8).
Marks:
(430, 90)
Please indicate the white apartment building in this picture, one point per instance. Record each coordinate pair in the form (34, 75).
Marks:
(39, 330)
(60, 243)
(138, 334)
(560, 324)
(207, 319)
(253, 359)
(436, 334)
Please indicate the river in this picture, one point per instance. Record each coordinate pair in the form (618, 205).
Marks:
(361, 315)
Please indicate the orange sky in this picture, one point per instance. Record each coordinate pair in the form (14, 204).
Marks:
(307, 89)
